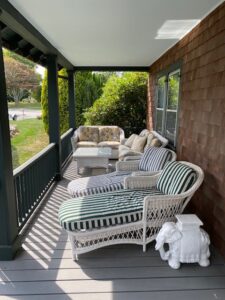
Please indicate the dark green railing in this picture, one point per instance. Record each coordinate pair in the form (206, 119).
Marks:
(66, 147)
(32, 180)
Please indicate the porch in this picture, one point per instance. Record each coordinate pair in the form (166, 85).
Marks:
(43, 269)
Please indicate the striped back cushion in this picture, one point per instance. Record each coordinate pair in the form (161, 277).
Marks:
(154, 159)
(176, 178)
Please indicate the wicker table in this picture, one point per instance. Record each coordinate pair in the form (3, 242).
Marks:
(92, 157)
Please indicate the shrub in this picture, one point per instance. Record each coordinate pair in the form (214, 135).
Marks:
(122, 103)
(63, 102)
(88, 88)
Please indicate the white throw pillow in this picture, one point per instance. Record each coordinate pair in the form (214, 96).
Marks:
(139, 143)
(130, 140)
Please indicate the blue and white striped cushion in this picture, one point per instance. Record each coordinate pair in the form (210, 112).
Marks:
(104, 210)
(154, 159)
(176, 178)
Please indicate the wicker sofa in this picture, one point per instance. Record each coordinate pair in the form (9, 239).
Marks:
(127, 151)
(99, 136)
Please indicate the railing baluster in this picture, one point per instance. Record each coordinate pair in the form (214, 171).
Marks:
(66, 147)
(33, 178)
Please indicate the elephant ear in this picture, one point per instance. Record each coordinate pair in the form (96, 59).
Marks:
(175, 236)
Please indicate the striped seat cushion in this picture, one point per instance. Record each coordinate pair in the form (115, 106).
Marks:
(97, 184)
(176, 178)
(154, 159)
(104, 210)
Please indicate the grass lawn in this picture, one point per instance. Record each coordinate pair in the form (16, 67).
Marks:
(25, 105)
(30, 140)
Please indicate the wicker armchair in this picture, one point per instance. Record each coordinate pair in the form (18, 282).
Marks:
(155, 161)
(133, 165)
(156, 210)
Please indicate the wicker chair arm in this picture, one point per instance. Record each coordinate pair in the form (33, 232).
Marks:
(163, 199)
(133, 157)
(140, 182)
(127, 165)
(123, 141)
(74, 140)
(122, 136)
(145, 173)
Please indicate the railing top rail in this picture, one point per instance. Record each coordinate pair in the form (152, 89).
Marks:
(32, 160)
(68, 132)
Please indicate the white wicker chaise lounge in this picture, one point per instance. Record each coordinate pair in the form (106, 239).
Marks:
(152, 161)
(134, 215)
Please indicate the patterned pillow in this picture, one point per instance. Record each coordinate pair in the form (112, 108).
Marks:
(109, 134)
(139, 143)
(88, 133)
(149, 140)
(176, 178)
(155, 142)
(154, 159)
(144, 132)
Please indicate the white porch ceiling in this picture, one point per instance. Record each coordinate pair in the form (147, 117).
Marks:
(114, 32)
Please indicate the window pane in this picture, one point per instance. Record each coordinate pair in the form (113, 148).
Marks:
(159, 120)
(161, 91)
(171, 117)
(173, 90)
(172, 104)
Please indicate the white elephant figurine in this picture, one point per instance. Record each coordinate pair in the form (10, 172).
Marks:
(186, 245)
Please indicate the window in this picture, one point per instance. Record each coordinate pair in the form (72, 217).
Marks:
(168, 86)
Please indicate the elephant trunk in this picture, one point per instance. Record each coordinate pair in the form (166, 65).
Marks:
(160, 246)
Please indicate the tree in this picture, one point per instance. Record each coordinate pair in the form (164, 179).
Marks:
(122, 103)
(63, 102)
(36, 94)
(88, 88)
(30, 64)
(20, 79)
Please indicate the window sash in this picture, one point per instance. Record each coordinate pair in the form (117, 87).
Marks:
(166, 122)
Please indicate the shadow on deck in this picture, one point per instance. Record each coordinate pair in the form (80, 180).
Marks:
(45, 270)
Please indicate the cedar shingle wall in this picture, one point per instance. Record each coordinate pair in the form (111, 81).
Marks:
(201, 132)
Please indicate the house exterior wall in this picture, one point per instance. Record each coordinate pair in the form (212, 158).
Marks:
(201, 118)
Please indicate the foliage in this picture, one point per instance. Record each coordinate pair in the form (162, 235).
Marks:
(36, 94)
(88, 88)
(63, 102)
(20, 79)
(44, 101)
(122, 103)
(173, 91)
(19, 58)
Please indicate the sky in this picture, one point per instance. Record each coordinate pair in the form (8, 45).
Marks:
(40, 70)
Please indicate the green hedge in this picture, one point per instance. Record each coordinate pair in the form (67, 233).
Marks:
(63, 102)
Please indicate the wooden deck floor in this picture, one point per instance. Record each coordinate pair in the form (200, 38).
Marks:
(45, 270)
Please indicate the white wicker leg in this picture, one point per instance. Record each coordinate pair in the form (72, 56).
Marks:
(74, 252)
(144, 237)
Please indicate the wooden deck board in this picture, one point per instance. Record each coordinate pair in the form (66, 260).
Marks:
(45, 270)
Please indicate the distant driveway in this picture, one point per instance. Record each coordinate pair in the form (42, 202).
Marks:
(24, 113)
